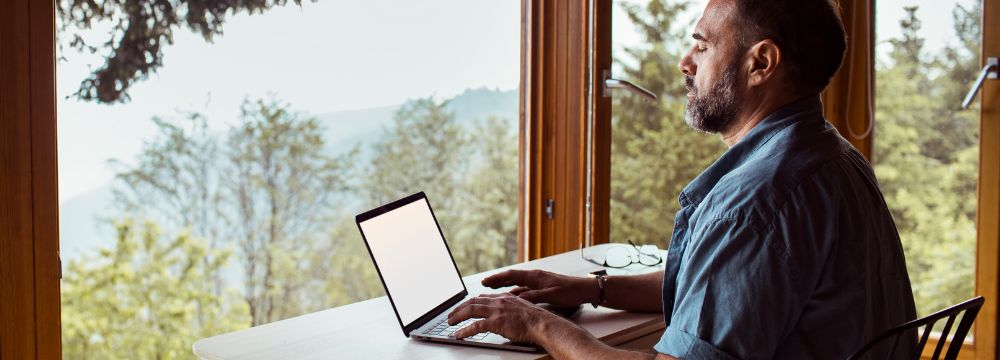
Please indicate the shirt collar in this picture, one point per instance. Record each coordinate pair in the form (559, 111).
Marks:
(807, 107)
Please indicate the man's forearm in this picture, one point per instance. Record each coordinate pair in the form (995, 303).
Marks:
(564, 340)
(641, 293)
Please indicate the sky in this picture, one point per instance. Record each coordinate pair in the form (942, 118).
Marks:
(329, 56)
(323, 57)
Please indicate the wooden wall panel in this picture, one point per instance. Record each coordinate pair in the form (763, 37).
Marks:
(556, 120)
(44, 180)
(601, 141)
(988, 212)
(29, 274)
(17, 301)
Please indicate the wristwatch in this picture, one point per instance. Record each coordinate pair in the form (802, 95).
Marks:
(601, 279)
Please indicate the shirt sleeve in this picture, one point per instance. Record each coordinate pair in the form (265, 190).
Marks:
(735, 298)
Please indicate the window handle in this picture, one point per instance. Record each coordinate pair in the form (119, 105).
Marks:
(610, 84)
(989, 72)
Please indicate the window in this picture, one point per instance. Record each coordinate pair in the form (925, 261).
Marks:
(221, 192)
(550, 92)
(926, 153)
(654, 154)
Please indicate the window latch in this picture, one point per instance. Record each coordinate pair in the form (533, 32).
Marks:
(610, 84)
(989, 71)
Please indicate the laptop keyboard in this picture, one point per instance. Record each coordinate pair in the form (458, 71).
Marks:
(443, 329)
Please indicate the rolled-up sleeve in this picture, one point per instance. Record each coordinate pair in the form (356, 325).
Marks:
(735, 296)
(680, 344)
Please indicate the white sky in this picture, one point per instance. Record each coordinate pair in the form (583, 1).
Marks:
(329, 56)
(323, 57)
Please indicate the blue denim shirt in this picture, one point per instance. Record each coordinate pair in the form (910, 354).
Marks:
(784, 248)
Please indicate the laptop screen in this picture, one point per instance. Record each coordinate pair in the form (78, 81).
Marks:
(412, 257)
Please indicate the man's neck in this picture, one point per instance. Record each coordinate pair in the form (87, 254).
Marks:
(754, 111)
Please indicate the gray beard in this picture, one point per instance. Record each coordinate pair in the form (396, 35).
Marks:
(714, 112)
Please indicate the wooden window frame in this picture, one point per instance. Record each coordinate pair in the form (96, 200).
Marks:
(988, 208)
(29, 203)
(556, 102)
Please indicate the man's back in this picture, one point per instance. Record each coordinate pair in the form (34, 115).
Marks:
(784, 248)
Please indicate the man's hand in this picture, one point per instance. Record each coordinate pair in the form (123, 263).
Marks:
(521, 321)
(503, 314)
(539, 286)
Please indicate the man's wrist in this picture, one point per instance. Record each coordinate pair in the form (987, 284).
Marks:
(545, 327)
(600, 283)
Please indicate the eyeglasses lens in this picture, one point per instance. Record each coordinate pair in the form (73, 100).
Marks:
(649, 255)
(618, 256)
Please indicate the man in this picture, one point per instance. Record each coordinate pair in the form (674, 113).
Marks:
(783, 248)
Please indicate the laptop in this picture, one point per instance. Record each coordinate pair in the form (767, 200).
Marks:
(419, 273)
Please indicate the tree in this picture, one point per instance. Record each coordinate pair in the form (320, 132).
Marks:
(470, 176)
(139, 31)
(176, 181)
(654, 154)
(267, 189)
(487, 233)
(145, 298)
(926, 157)
(281, 186)
(424, 150)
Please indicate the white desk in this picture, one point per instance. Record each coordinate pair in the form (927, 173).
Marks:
(369, 329)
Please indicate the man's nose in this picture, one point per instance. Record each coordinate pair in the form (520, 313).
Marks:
(687, 66)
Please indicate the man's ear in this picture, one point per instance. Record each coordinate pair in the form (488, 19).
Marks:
(764, 59)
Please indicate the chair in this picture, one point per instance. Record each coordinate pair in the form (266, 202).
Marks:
(969, 307)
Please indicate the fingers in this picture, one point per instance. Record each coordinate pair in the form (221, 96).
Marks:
(538, 296)
(518, 290)
(497, 295)
(467, 311)
(510, 278)
(473, 329)
(483, 299)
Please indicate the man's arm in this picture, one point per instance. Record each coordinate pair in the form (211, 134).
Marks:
(640, 293)
(564, 340)
(520, 321)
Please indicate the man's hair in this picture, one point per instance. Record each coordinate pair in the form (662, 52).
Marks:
(808, 32)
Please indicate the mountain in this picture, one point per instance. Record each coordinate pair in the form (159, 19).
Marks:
(82, 232)
(345, 129)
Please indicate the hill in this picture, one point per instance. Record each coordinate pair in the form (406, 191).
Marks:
(82, 231)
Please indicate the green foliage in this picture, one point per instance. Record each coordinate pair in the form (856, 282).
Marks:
(140, 29)
(424, 150)
(176, 181)
(470, 176)
(487, 232)
(926, 157)
(148, 297)
(268, 190)
(273, 211)
(654, 154)
(281, 185)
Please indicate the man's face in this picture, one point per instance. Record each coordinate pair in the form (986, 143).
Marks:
(711, 70)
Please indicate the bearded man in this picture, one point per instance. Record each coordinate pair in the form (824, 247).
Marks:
(783, 248)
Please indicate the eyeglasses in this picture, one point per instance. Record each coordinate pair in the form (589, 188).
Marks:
(620, 256)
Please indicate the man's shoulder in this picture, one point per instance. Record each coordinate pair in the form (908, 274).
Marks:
(790, 167)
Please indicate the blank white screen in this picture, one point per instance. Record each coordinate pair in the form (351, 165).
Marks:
(412, 257)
